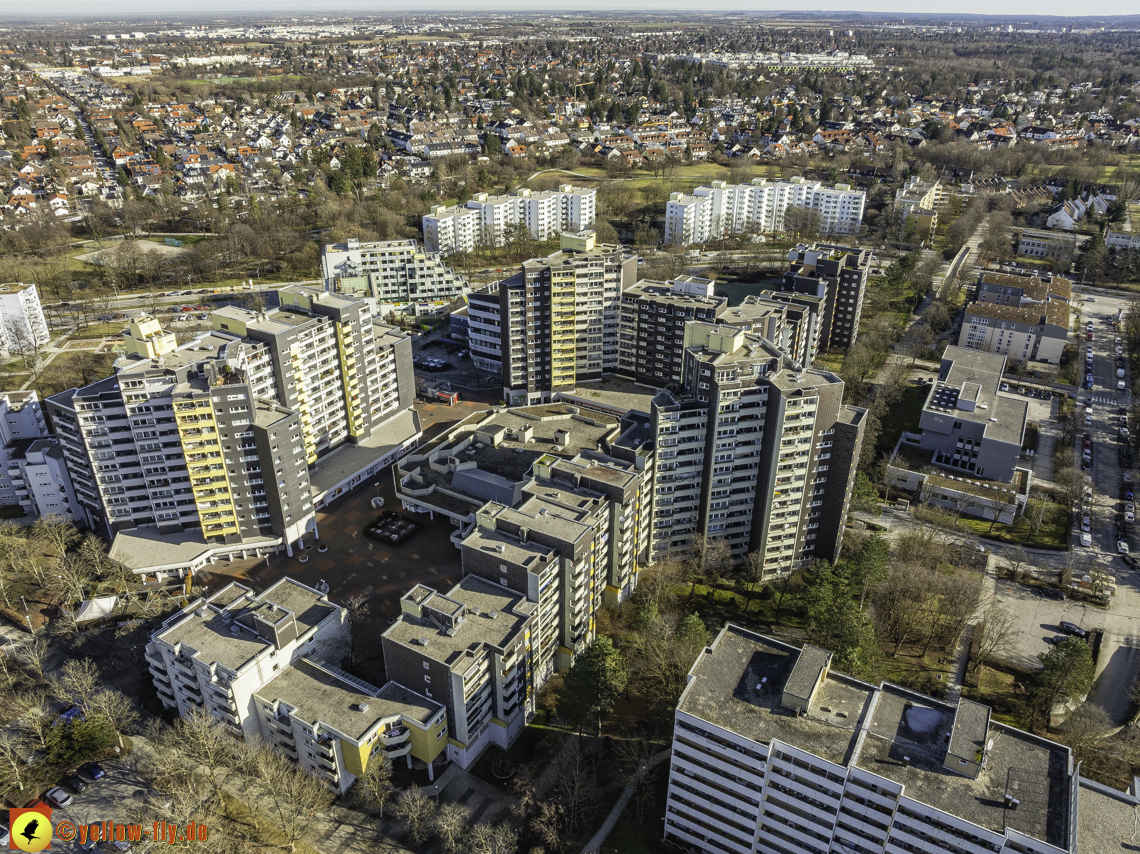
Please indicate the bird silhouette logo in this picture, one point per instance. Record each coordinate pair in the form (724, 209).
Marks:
(31, 829)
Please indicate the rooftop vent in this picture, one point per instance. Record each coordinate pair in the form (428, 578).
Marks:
(363, 707)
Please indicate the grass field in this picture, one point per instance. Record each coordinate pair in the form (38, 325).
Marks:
(1054, 533)
(904, 416)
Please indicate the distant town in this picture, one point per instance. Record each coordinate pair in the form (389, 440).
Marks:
(570, 432)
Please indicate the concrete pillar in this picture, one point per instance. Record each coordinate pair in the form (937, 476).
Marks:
(316, 533)
(289, 548)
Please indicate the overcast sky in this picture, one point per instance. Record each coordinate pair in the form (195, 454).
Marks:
(103, 9)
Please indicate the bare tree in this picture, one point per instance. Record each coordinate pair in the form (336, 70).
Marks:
(79, 683)
(575, 781)
(1000, 501)
(415, 810)
(449, 826)
(493, 839)
(118, 710)
(1015, 558)
(1036, 511)
(33, 657)
(12, 747)
(1085, 728)
(902, 604)
(56, 532)
(291, 795)
(634, 754)
(374, 787)
(996, 630)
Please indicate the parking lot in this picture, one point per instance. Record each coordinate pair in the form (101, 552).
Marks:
(103, 800)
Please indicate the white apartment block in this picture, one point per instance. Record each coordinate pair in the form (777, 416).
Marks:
(775, 753)
(32, 470)
(396, 273)
(761, 206)
(23, 327)
(485, 219)
(260, 664)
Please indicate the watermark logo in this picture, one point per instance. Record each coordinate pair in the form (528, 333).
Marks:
(30, 829)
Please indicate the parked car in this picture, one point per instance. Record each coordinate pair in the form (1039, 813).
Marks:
(1053, 593)
(1122, 547)
(1086, 540)
(93, 770)
(77, 784)
(57, 797)
(1072, 629)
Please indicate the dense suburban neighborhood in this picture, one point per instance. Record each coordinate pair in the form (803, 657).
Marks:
(564, 432)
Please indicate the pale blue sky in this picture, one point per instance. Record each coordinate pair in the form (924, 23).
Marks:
(106, 9)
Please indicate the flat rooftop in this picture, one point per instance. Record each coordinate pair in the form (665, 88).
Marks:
(320, 694)
(738, 684)
(213, 628)
(494, 616)
(334, 468)
(612, 395)
(493, 441)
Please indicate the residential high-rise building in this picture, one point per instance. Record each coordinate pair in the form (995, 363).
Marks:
(653, 321)
(790, 321)
(796, 204)
(33, 475)
(551, 503)
(474, 651)
(23, 327)
(214, 439)
(260, 664)
(554, 324)
(487, 220)
(397, 274)
(753, 449)
(837, 274)
(774, 752)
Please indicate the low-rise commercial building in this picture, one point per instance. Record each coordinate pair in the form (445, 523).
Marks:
(1022, 317)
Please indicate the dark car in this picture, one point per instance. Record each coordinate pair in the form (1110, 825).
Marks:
(1072, 629)
(1053, 593)
(94, 771)
(77, 784)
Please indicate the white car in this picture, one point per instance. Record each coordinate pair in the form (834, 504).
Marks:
(1086, 524)
(1120, 386)
(1005, 386)
(1122, 547)
(1129, 517)
(1086, 540)
(1129, 507)
(1090, 299)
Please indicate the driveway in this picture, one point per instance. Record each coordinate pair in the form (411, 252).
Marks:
(102, 801)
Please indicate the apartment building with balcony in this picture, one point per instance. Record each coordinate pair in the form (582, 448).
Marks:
(554, 324)
(720, 209)
(654, 316)
(755, 450)
(791, 321)
(774, 752)
(33, 475)
(473, 651)
(181, 441)
(334, 725)
(259, 663)
(487, 220)
(838, 276)
(398, 275)
(1022, 317)
(23, 327)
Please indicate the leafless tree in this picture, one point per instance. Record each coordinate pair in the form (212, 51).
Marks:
(79, 683)
(291, 795)
(1085, 728)
(374, 787)
(415, 809)
(902, 604)
(118, 710)
(548, 825)
(12, 748)
(34, 658)
(575, 781)
(634, 754)
(1015, 558)
(55, 532)
(449, 826)
(493, 839)
(996, 630)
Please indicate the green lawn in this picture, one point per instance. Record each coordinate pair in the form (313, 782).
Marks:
(904, 416)
(1054, 533)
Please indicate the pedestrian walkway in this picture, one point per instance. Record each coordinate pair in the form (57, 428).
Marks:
(611, 821)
